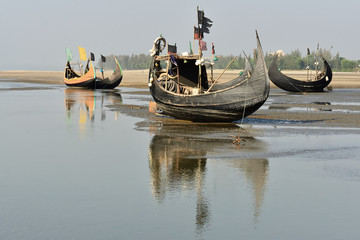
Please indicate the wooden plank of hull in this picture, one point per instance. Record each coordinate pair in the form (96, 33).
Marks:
(221, 113)
(84, 84)
(107, 84)
(222, 106)
(292, 85)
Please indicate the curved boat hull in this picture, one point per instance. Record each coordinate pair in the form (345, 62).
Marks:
(225, 105)
(220, 113)
(91, 81)
(84, 84)
(292, 85)
(106, 83)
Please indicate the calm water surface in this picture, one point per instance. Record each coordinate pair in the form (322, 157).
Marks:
(76, 164)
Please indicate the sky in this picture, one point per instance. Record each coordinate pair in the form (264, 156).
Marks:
(34, 34)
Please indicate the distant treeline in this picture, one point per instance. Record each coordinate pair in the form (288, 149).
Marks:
(291, 61)
(128, 62)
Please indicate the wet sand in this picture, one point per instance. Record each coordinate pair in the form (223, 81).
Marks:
(139, 78)
(337, 108)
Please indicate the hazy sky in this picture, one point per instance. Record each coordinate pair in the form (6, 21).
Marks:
(34, 33)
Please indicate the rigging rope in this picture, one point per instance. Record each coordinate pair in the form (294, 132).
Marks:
(247, 84)
(292, 84)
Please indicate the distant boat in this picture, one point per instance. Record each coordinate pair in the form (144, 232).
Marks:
(318, 84)
(180, 88)
(90, 79)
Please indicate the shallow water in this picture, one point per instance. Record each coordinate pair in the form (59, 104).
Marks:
(82, 164)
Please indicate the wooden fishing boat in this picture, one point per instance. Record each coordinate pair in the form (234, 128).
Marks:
(287, 83)
(90, 79)
(187, 94)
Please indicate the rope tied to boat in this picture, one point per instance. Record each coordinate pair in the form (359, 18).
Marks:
(221, 74)
(243, 115)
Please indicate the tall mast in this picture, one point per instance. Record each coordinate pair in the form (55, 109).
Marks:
(307, 64)
(200, 51)
(193, 52)
(316, 62)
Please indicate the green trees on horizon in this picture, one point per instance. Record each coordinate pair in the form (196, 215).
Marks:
(128, 62)
(295, 61)
(289, 61)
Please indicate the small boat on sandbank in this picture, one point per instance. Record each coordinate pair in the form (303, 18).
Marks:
(90, 79)
(317, 83)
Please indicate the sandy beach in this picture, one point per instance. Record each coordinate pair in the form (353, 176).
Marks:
(138, 78)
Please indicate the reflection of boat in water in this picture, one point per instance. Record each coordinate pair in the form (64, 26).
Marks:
(82, 103)
(256, 171)
(178, 162)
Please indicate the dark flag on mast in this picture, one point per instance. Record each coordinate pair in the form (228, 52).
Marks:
(200, 16)
(103, 59)
(92, 57)
(205, 23)
(308, 51)
(172, 49)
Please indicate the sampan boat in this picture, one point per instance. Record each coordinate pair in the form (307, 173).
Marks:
(287, 83)
(90, 79)
(181, 90)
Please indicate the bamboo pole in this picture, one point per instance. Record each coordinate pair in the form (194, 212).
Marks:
(307, 67)
(316, 62)
(193, 41)
(102, 68)
(167, 68)
(200, 50)
(221, 74)
(178, 78)
(212, 61)
(81, 68)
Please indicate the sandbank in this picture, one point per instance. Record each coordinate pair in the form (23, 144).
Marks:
(139, 78)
